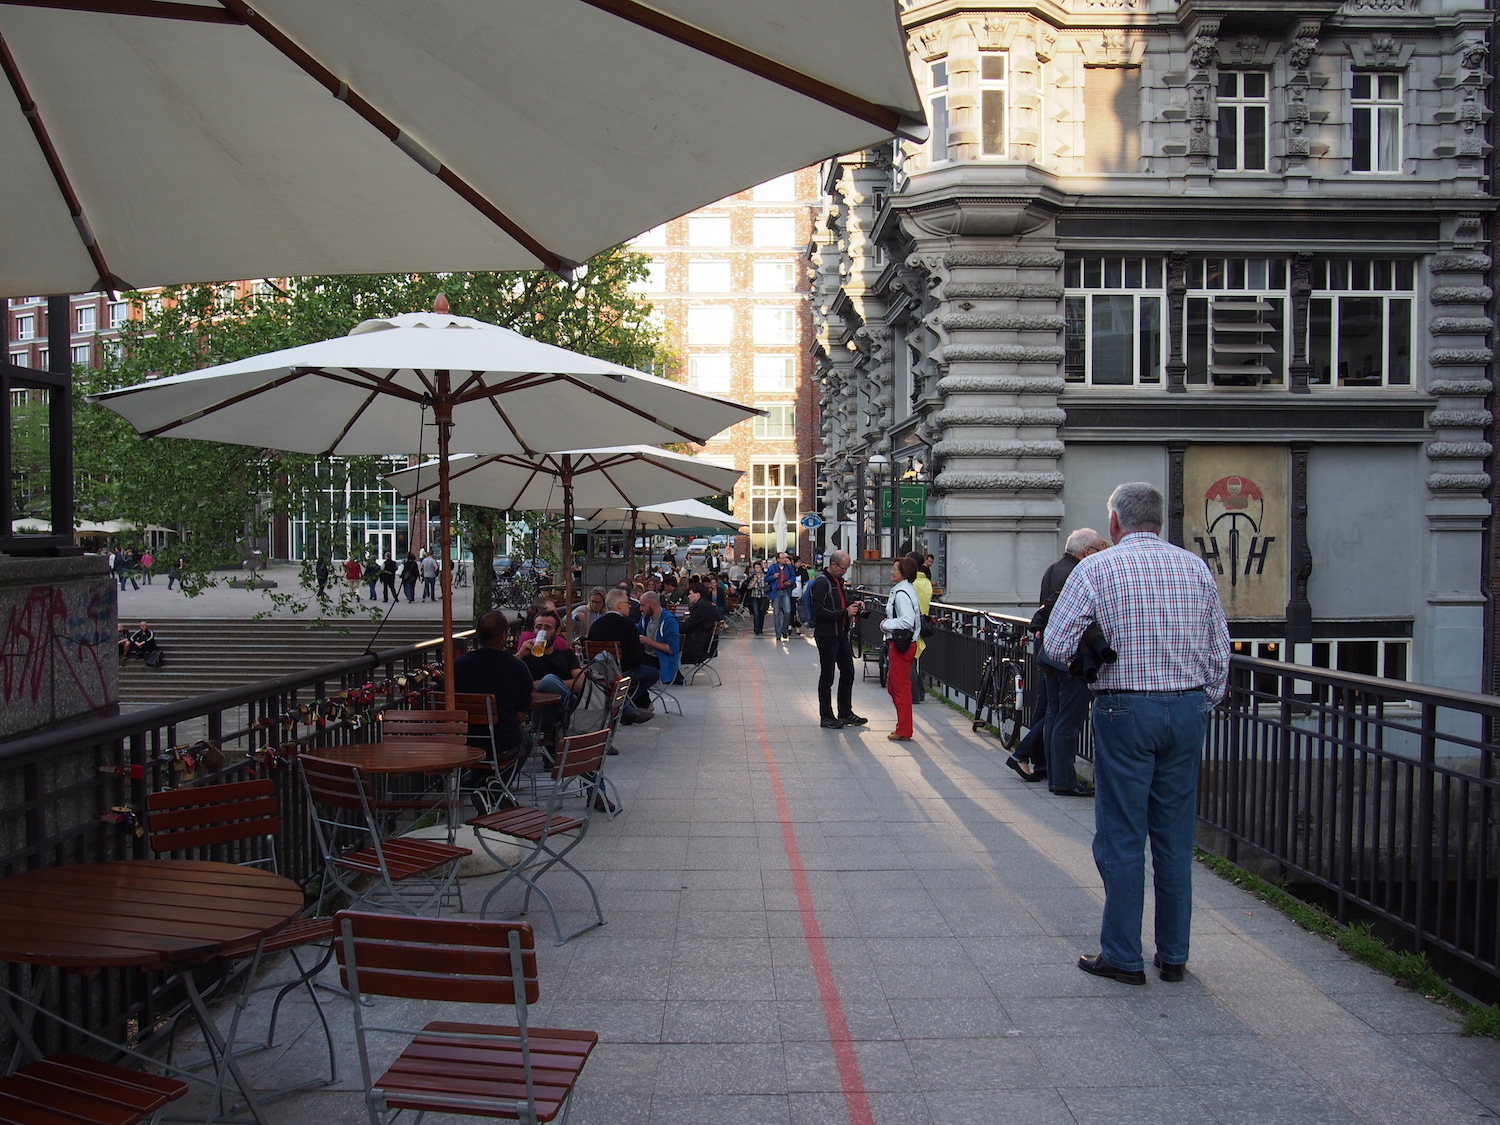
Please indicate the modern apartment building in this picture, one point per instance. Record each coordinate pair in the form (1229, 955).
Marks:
(1240, 251)
(730, 282)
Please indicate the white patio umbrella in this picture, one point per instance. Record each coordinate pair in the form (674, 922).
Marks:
(161, 141)
(485, 389)
(679, 515)
(778, 521)
(611, 477)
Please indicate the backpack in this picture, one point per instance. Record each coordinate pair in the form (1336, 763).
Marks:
(806, 602)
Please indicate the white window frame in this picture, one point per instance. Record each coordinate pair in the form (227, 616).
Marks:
(711, 372)
(1092, 284)
(1233, 284)
(778, 189)
(709, 230)
(1242, 108)
(774, 275)
(709, 275)
(774, 324)
(937, 110)
(26, 326)
(119, 313)
(710, 326)
(774, 230)
(81, 355)
(994, 96)
(1340, 286)
(775, 374)
(85, 319)
(779, 423)
(1381, 114)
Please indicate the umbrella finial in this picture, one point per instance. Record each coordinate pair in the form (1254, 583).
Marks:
(440, 303)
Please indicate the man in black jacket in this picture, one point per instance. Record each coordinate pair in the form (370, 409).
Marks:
(1067, 695)
(615, 626)
(833, 613)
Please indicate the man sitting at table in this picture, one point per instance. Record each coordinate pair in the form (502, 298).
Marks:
(491, 669)
(699, 625)
(615, 626)
(660, 637)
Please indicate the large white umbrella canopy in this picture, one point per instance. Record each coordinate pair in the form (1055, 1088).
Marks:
(611, 477)
(483, 388)
(778, 521)
(152, 142)
(679, 515)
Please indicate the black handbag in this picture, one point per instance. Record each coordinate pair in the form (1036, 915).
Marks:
(928, 626)
(901, 639)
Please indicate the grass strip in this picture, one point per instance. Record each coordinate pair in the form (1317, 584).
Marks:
(1360, 942)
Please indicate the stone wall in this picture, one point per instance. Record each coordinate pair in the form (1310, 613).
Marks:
(58, 661)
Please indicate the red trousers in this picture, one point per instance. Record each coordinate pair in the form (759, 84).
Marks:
(898, 683)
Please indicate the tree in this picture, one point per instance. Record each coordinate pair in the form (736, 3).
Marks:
(219, 497)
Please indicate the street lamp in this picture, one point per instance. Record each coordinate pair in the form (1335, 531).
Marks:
(879, 465)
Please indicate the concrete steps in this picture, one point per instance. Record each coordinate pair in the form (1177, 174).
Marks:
(205, 654)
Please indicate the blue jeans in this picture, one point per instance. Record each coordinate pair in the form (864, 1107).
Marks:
(428, 586)
(544, 717)
(1147, 749)
(781, 613)
(1067, 705)
(1033, 747)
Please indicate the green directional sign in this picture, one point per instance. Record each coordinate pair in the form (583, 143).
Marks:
(912, 510)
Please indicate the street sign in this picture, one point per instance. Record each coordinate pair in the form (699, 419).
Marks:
(812, 521)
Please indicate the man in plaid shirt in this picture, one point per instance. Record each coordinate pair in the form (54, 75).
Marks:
(1160, 611)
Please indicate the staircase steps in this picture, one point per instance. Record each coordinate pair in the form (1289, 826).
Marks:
(205, 654)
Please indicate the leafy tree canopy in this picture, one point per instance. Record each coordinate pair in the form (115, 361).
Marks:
(222, 497)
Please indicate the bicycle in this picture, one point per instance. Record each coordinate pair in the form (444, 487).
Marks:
(1002, 683)
(461, 574)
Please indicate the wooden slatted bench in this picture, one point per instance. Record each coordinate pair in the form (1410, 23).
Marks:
(73, 1090)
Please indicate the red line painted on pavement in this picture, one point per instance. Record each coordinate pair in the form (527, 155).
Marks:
(856, 1100)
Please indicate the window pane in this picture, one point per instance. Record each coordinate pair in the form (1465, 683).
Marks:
(1361, 340)
(709, 373)
(1360, 86)
(775, 276)
(1320, 340)
(1075, 338)
(1228, 138)
(708, 276)
(782, 187)
(1113, 339)
(710, 325)
(775, 230)
(939, 138)
(1229, 83)
(939, 74)
(1255, 84)
(708, 230)
(1255, 139)
(1360, 157)
(1150, 349)
(1388, 158)
(992, 103)
(774, 374)
(1196, 349)
(1398, 351)
(992, 66)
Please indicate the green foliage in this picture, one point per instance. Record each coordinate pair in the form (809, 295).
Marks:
(1361, 943)
(220, 498)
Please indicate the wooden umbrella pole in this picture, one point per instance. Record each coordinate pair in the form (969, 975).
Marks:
(442, 412)
(630, 553)
(567, 531)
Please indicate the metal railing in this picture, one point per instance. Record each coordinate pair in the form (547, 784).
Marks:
(75, 795)
(1376, 799)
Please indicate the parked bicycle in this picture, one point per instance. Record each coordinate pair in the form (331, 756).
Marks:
(1002, 683)
(461, 573)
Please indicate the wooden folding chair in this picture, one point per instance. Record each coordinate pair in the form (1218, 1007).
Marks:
(394, 870)
(425, 726)
(495, 789)
(238, 822)
(73, 1090)
(515, 1072)
(580, 759)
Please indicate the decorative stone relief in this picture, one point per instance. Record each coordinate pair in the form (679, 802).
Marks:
(1460, 325)
(1011, 481)
(1000, 416)
(1459, 357)
(1455, 388)
(1002, 353)
(945, 449)
(1000, 322)
(1461, 295)
(1459, 419)
(1001, 384)
(1459, 450)
(1459, 263)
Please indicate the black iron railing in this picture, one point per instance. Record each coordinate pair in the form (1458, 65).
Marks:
(75, 795)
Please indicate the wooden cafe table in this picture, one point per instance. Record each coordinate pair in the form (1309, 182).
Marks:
(155, 915)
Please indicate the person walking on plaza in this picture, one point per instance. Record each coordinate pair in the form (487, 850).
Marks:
(147, 561)
(124, 561)
(174, 572)
(754, 593)
(372, 572)
(833, 613)
(902, 627)
(323, 571)
(1066, 695)
(387, 580)
(1159, 610)
(352, 574)
(410, 572)
(430, 571)
(781, 580)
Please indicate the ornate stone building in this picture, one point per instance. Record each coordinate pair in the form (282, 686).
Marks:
(1239, 250)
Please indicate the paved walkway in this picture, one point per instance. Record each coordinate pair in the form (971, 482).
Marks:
(222, 600)
(809, 927)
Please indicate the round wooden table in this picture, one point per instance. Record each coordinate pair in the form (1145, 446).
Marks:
(148, 913)
(403, 756)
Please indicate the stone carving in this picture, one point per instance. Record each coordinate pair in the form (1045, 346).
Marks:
(1002, 290)
(1001, 384)
(1472, 54)
(1459, 263)
(1459, 419)
(1462, 295)
(1002, 353)
(1001, 322)
(1001, 481)
(1382, 49)
(1455, 388)
(1459, 450)
(944, 449)
(1301, 52)
(1458, 482)
(1000, 416)
(1203, 51)
(1458, 357)
(1022, 259)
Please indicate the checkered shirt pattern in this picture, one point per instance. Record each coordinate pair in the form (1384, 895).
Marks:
(1159, 608)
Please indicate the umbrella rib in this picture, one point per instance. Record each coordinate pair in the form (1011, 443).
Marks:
(157, 9)
(636, 410)
(740, 57)
(29, 109)
(393, 133)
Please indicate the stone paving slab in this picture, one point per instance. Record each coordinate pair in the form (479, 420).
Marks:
(949, 901)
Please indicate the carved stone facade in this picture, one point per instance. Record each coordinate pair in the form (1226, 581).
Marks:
(1130, 243)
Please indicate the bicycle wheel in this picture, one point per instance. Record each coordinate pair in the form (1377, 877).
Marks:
(1008, 722)
(885, 661)
(987, 698)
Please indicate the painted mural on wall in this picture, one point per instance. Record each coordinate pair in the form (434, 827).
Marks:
(1235, 516)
